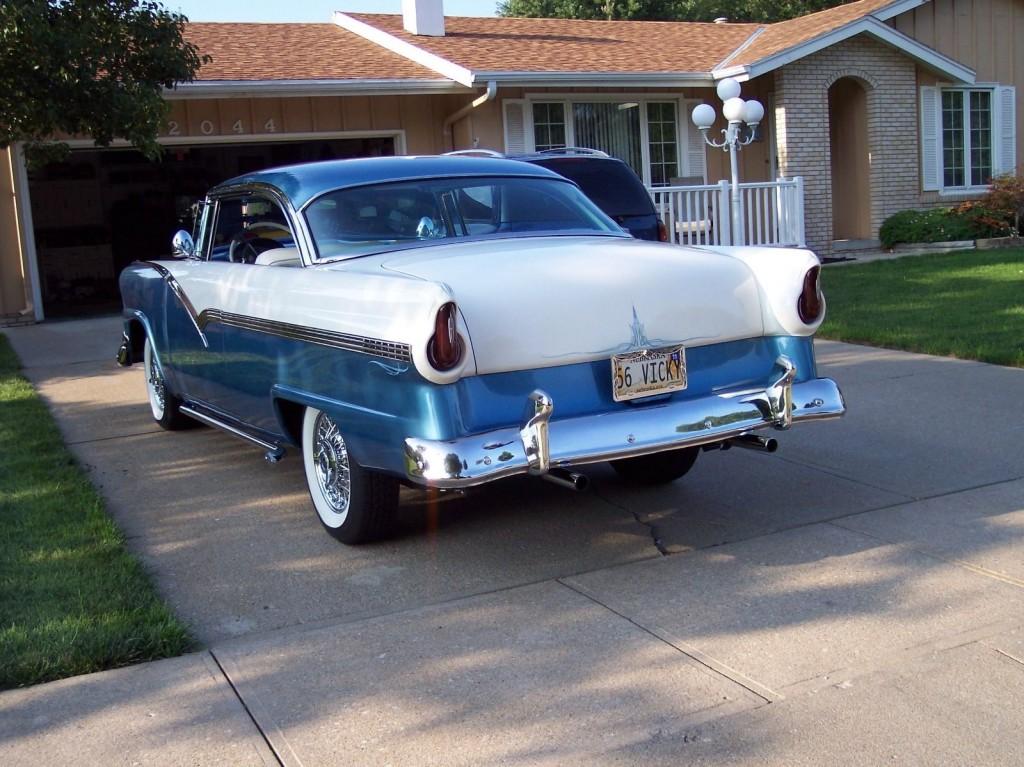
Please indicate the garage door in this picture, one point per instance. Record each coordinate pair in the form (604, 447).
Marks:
(100, 210)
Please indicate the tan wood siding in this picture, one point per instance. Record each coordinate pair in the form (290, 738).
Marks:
(982, 34)
(420, 117)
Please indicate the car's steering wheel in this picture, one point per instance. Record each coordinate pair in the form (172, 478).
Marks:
(247, 245)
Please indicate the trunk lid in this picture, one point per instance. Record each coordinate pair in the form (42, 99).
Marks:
(545, 301)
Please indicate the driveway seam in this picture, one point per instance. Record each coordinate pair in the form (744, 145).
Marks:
(838, 475)
(248, 711)
(1005, 654)
(700, 658)
(113, 436)
(933, 554)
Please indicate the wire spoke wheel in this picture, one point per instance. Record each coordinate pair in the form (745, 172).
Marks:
(353, 503)
(155, 384)
(330, 458)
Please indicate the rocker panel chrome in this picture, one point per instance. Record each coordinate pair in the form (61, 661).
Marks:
(482, 458)
(210, 420)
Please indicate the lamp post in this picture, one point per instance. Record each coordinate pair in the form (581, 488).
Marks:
(736, 111)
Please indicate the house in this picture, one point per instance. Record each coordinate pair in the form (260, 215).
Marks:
(877, 105)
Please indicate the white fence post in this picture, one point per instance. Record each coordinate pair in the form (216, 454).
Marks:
(724, 214)
(798, 206)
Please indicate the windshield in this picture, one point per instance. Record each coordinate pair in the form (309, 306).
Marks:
(367, 219)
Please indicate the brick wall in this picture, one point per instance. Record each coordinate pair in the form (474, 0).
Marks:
(802, 129)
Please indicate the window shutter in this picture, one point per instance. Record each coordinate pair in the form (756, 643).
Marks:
(695, 149)
(931, 146)
(516, 139)
(1006, 129)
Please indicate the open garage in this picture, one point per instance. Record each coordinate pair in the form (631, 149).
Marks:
(99, 210)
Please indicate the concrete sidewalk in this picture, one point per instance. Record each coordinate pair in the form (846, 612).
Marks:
(855, 598)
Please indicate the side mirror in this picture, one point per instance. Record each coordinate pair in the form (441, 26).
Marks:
(182, 245)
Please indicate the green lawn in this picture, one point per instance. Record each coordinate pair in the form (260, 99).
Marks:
(968, 304)
(72, 599)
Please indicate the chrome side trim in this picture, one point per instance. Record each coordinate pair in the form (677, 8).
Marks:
(625, 433)
(210, 420)
(179, 293)
(374, 347)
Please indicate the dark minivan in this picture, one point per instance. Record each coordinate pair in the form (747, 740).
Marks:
(610, 183)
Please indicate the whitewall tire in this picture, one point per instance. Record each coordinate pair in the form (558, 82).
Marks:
(162, 403)
(354, 505)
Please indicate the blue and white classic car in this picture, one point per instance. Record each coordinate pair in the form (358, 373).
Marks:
(444, 322)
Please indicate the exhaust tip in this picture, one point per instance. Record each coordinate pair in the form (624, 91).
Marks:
(568, 479)
(756, 442)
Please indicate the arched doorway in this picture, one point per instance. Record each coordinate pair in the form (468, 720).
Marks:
(851, 160)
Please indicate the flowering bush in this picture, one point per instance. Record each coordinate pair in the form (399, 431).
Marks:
(1006, 199)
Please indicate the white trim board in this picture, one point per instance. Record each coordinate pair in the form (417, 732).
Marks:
(24, 212)
(897, 8)
(869, 25)
(409, 51)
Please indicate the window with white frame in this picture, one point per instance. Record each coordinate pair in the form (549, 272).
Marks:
(549, 126)
(644, 133)
(968, 136)
(663, 143)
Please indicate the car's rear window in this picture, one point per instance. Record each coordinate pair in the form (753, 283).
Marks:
(362, 220)
(612, 185)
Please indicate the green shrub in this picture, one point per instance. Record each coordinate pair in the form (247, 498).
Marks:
(968, 221)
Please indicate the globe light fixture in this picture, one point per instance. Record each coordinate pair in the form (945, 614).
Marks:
(704, 116)
(728, 89)
(737, 112)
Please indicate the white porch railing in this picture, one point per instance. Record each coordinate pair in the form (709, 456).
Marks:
(771, 213)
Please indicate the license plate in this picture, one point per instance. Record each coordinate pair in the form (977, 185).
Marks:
(648, 372)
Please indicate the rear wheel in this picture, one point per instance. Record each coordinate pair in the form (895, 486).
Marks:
(162, 403)
(657, 468)
(354, 504)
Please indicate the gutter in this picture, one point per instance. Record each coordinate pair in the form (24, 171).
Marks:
(489, 95)
(268, 88)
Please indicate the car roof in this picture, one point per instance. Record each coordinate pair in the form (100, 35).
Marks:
(301, 183)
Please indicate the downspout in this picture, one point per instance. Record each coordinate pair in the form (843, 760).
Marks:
(450, 120)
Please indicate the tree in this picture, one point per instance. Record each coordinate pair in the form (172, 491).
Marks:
(89, 67)
(763, 11)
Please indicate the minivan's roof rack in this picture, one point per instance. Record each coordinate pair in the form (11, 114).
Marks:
(574, 150)
(473, 153)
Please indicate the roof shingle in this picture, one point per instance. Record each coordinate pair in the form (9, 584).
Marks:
(783, 35)
(296, 52)
(571, 45)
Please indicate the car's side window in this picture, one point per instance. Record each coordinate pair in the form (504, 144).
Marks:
(245, 227)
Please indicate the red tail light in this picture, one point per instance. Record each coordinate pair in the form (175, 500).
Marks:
(444, 349)
(662, 232)
(810, 304)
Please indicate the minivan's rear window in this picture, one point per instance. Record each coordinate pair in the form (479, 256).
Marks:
(612, 185)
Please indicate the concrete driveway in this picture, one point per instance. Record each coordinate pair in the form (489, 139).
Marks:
(854, 598)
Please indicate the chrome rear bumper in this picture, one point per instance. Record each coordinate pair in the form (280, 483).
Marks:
(541, 444)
